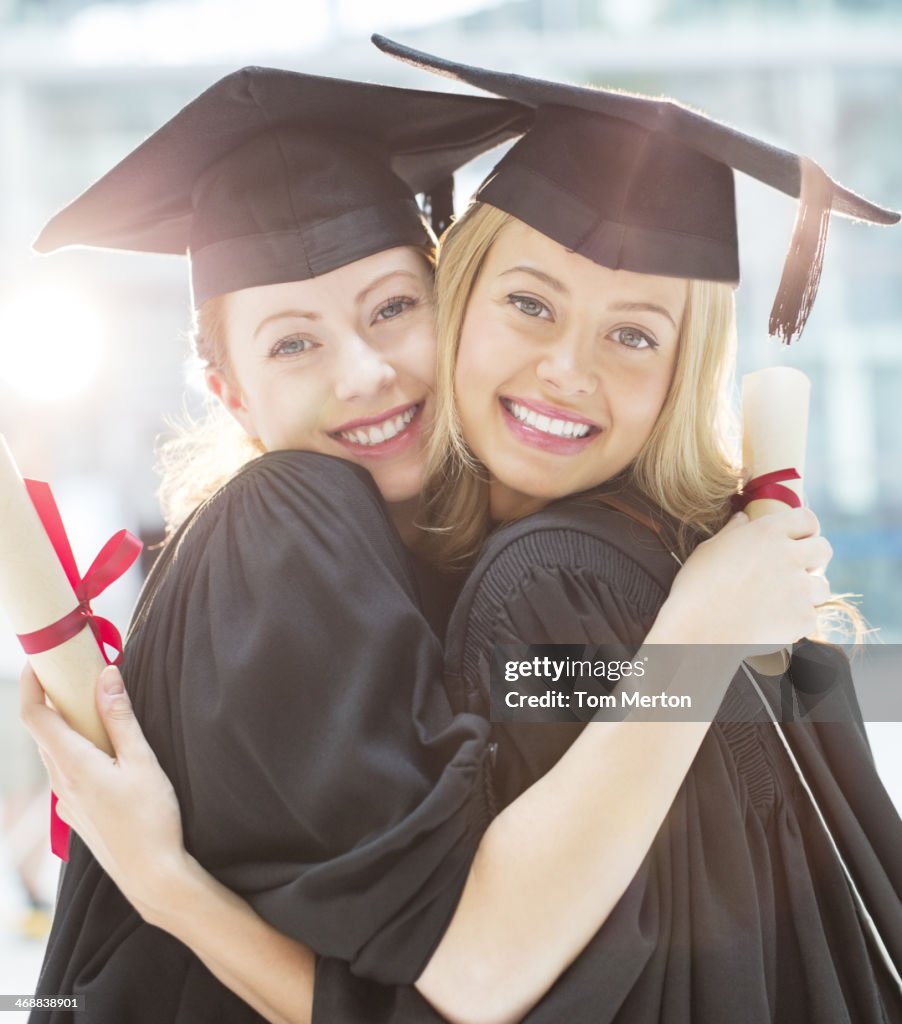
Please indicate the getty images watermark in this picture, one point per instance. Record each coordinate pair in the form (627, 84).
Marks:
(815, 682)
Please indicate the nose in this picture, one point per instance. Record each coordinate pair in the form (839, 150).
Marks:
(569, 365)
(362, 371)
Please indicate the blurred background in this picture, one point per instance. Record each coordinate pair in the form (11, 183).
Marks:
(93, 345)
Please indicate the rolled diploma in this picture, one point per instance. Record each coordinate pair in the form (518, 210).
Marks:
(774, 428)
(35, 593)
(774, 433)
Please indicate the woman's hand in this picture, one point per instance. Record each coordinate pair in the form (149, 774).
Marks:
(756, 583)
(126, 811)
(123, 808)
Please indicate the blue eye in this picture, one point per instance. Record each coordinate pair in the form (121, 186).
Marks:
(632, 337)
(291, 346)
(529, 306)
(394, 308)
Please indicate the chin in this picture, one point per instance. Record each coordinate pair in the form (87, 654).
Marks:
(399, 484)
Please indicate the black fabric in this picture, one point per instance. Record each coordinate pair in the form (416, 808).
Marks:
(291, 688)
(654, 115)
(645, 184)
(740, 911)
(272, 176)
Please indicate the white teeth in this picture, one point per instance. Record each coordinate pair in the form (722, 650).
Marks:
(378, 433)
(559, 428)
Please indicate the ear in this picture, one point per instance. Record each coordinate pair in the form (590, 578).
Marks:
(231, 397)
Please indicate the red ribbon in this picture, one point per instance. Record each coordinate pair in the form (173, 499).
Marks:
(116, 556)
(768, 486)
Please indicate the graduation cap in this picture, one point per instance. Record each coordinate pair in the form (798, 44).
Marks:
(646, 184)
(272, 176)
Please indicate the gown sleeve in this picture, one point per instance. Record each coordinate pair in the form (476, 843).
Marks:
(547, 587)
(321, 772)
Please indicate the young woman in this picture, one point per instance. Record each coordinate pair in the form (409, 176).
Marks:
(494, 926)
(721, 892)
(311, 273)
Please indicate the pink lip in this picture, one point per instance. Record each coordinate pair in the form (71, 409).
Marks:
(385, 449)
(368, 421)
(552, 412)
(548, 442)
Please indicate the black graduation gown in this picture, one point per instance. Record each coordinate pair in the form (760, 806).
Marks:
(281, 669)
(740, 911)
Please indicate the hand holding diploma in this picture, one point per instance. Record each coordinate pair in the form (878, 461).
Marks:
(47, 601)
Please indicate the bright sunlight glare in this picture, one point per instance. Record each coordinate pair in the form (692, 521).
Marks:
(51, 342)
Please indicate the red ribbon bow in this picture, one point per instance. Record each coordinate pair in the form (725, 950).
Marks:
(116, 556)
(768, 486)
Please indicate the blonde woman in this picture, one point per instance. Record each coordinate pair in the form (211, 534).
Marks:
(586, 347)
(562, 876)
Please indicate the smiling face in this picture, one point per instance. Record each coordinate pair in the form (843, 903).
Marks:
(341, 364)
(562, 369)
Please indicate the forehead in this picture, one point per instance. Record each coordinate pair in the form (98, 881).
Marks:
(343, 287)
(519, 245)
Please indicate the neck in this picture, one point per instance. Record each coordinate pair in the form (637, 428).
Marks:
(506, 504)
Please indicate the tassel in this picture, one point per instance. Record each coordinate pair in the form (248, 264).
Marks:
(802, 269)
(440, 206)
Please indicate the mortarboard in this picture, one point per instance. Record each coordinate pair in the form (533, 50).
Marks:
(646, 184)
(272, 176)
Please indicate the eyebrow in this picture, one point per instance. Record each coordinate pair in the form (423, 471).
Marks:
(397, 272)
(644, 307)
(286, 314)
(619, 307)
(552, 282)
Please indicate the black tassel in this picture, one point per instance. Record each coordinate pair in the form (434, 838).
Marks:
(802, 269)
(440, 206)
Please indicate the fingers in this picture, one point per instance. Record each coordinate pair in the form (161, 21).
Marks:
(30, 690)
(813, 553)
(798, 522)
(64, 747)
(118, 718)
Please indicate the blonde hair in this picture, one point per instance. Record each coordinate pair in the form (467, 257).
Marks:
(203, 453)
(687, 466)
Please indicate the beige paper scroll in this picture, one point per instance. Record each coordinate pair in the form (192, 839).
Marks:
(35, 593)
(774, 428)
(774, 434)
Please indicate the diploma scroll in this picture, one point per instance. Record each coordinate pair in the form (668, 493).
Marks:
(36, 593)
(774, 429)
(774, 433)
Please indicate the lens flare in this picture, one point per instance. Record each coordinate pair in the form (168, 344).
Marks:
(52, 341)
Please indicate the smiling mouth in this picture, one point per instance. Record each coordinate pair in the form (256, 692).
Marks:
(553, 426)
(370, 435)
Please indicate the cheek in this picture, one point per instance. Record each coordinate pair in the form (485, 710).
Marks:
(488, 357)
(640, 398)
(473, 382)
(292, 408)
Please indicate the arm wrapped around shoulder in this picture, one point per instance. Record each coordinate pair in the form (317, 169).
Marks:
(321, 771)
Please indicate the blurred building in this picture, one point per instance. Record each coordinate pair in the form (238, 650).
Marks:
(81, 85)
